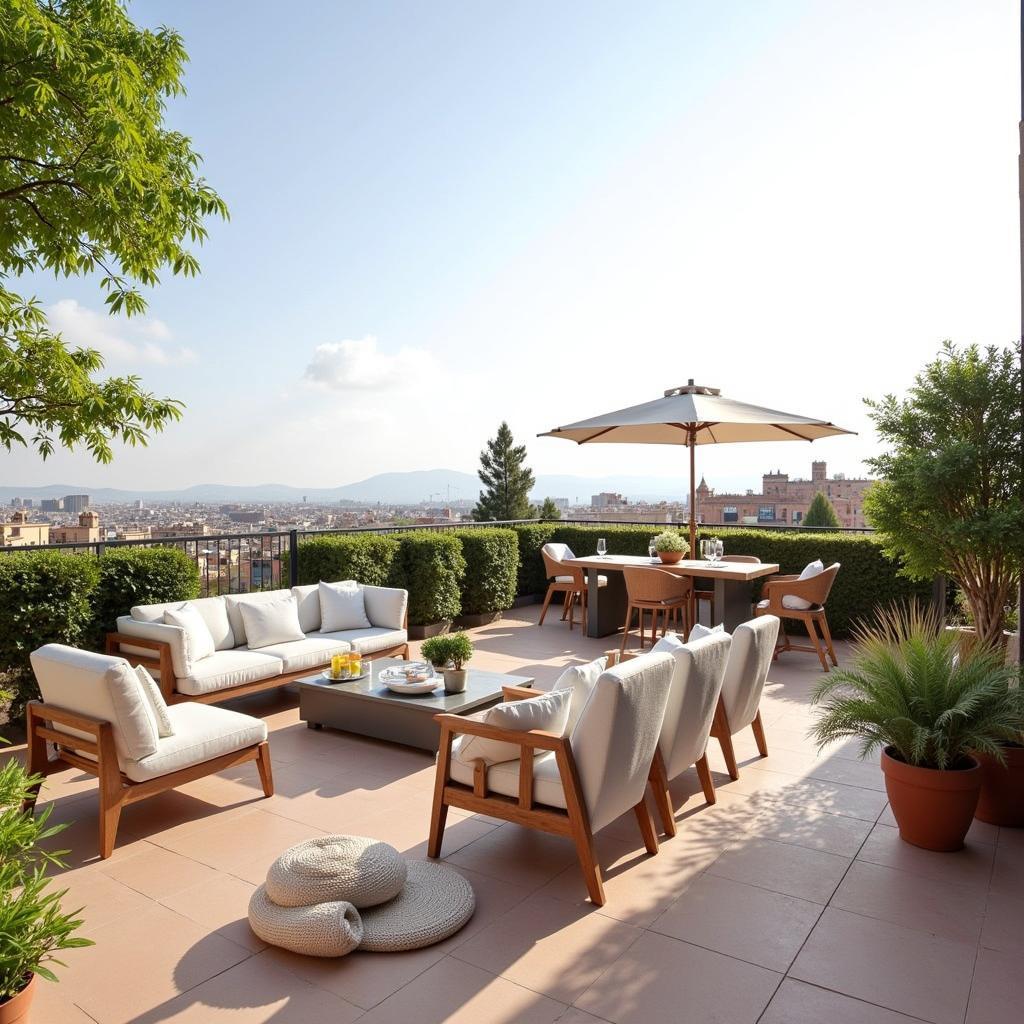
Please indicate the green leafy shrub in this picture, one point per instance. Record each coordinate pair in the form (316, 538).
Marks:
(365, 557)
(130, 576)
(671, 541)
(492, 564)
(530, 578)
(45, 597)
(453, 649)
(429, 564)
(621, 540)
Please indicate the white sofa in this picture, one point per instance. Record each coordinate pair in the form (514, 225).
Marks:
(233, 667)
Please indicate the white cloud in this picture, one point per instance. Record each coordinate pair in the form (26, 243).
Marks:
(120, 339)
(359, 365)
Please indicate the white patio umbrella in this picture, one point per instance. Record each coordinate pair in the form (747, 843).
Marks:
(694, 415)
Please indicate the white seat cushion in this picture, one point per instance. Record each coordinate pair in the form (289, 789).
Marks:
(276, 622)
(310, 652)
(198, 638)
(201, 732)
(368, 641)
(602, 581)
(213, 610)
(503, 778)
(549, 712)
(229, 668)
(812, 569)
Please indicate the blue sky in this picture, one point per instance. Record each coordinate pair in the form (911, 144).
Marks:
(449, 213)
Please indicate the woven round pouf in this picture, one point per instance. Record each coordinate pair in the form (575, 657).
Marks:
(355, 869)
(326, 929)
(435, 903)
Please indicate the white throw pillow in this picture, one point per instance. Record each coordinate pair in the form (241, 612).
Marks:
(156, 702)
(668, 644)
(342, 607)
(812, 569)
(198, 638)
(134, 721)
(275, 622)
(581, 679)
(698, 632)
(549, 712)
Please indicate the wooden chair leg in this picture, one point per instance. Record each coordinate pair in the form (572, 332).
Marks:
(565, 605)
(439, 811)
(646, 823)
(704, 774)
(817, 644)
(37, 761)
(547, 601)
(725, 740)
(828, 639)
(659, 790)
(265, 770)
(758, 726)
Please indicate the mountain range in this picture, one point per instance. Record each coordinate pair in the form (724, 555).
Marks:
(433, 485)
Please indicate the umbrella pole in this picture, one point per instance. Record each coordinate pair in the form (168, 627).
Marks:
(693, 496)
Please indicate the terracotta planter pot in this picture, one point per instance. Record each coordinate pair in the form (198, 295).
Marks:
(670, 557)
(1002, 789)
(934, 809)
(15, 1010)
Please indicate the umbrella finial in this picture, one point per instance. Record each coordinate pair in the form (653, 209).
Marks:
(692, 389)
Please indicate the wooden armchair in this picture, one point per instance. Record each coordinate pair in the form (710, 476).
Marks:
(789, 597)
(659, 592)
(566, 580)
(569, 786)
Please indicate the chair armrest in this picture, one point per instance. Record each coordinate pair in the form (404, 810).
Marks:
(772, 580)
(792, 586)
(511, 693)
(536, 738)
(76, 719)
(163, 661)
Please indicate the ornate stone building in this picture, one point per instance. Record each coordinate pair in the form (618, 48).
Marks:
(784, 501)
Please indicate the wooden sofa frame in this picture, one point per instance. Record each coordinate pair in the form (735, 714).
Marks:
(574, 822)
(116, 789)
(161, 667)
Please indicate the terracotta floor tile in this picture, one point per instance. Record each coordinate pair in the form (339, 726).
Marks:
(220, 904)
(550, 946)
(254, 992)
(761, 927)
(807, 825)
(455, 992)
(997, 994)
(518, 855)
(781, 867)
(494, 899)
(51, 1005)
(971, 866)
(908, 971)
(1003, 929)
(1008, 869)
(156, 872)
(663, 979)
(912, 901)
(799, 1003)
(101, 898)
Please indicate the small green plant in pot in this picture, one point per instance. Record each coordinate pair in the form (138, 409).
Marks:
(449, 652)
(33, 927)
(671, 546)
(911, 691)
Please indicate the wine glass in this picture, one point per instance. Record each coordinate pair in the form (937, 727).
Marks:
(707, 550)
(652, 549)
(602, 547)
(719, 550)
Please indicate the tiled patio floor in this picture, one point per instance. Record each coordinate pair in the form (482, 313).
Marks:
(791, 900)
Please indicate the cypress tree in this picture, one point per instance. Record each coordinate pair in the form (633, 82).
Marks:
(506, 478)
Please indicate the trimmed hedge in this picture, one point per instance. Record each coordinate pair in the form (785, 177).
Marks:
(130, 576)
(492, 563)
(429, 564)
(45, 597)
(530, 578)
(365, 557)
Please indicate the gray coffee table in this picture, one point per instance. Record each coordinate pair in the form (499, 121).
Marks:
(369, 708)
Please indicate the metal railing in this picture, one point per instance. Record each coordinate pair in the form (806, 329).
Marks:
(233, 563)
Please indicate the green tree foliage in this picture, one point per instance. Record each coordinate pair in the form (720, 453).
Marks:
(507, 479)
(950, 499)
(549, 510)
(91, 182)
(821, 513)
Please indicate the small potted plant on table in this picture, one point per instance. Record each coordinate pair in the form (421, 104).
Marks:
(449, 652)
(671, 546)
(929, 705)
(32, 925)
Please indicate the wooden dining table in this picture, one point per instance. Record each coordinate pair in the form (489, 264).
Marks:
(733, 584)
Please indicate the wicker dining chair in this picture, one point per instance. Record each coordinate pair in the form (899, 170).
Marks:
(783, 592)
(661, 593)
(566, 580)
(709, 595)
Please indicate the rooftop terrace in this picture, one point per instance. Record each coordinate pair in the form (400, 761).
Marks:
(791, 900)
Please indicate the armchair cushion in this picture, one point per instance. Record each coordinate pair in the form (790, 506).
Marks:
(155, 700)
(228, 668)
(581, 679)
(559, 552)
(173, 636)
(198, 639)
(273, 622)
(201, 732)
(342, 606)
(812, 569)
(503, 777)
(549, 712)
(386, 606)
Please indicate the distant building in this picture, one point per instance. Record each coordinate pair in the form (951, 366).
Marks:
(784, 502)
(247, 517)
(75, 503)
(606, 499)
(15, 502)
(180, 530)
(20, 533)
(133, 532)
(52, 504)
(27, 502)
(86, 532)
(561, 503)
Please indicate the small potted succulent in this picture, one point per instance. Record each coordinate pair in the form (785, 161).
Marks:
(671, 546)
(32, 924)
(449, 652)
(932, 706)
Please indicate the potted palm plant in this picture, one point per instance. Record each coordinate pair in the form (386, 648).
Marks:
(449, 652)
(671, 546)
(33, 927)
(911, 691)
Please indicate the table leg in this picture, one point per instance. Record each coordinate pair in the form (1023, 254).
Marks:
(733, 600)
(606, 606)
